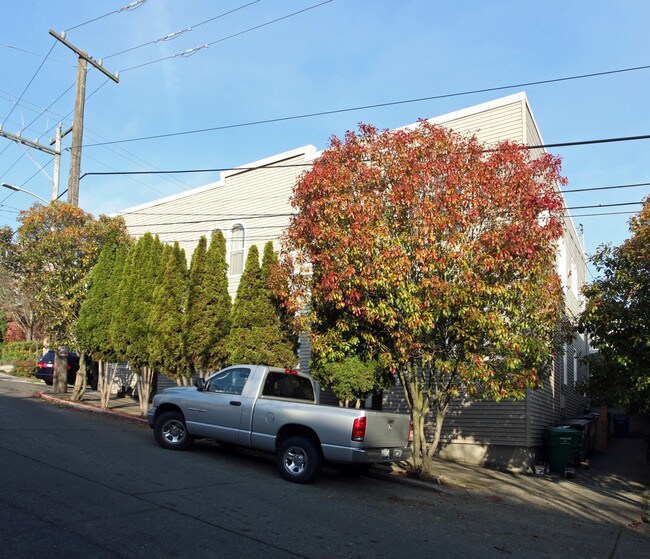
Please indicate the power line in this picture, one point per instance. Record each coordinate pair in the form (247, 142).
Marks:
(192, 51)
(211, 219)
(176, 182)
(605, 205)
(377, 105)
(36, 54)
(221, 169)
(590, 142)
(176, 34)
(41, 114)
(189, 171)
(604, 213)
(229, 217)
(132, 6)
(30, 81)
(605, 187)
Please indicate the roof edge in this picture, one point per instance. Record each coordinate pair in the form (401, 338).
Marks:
(309, 151)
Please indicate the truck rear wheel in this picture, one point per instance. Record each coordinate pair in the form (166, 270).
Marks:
(170, 431)
(299, 459)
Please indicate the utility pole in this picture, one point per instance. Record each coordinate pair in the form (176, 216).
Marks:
(57, 159)
(78, 119)
(56, 152)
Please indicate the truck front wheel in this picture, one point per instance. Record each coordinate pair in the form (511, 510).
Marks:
(299, 459)
(170, 431)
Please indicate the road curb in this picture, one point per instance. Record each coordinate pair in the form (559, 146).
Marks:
(419, 484)
(92, 409)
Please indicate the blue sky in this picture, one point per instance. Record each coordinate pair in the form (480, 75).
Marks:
(341, 54)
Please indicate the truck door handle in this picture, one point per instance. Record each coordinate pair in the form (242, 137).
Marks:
(235, 403)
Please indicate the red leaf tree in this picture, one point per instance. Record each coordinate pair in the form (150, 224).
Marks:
(428, 256)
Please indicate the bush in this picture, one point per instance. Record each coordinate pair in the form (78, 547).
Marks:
(20, 351)
(24, 367)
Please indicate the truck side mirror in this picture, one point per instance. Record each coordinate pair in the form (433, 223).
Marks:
(200, 384)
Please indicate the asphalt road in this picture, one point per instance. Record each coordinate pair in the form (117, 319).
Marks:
(81, 485)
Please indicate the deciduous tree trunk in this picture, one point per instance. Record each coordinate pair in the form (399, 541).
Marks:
(81, 379)
(60, 373)
(145, 380)
(107, 372)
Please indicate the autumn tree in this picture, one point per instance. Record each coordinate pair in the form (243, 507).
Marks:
(617, 317)
(17, 303)
(167, 317)
(207, 322)
(432, 257)
(55, 250)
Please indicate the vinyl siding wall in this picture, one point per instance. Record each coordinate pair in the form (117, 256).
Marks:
(256, 199)
(490, 126)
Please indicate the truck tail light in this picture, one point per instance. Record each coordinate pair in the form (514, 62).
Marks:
(359, 429)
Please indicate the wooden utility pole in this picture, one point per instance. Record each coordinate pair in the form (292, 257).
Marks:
(57, 164)
(78, 119)
(56, 142)
(77, 134)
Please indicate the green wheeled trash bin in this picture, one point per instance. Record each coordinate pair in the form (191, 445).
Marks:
(562, 447)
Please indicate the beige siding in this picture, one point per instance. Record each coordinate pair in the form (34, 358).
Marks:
(256, 199)
(532, 136)
(490, 126)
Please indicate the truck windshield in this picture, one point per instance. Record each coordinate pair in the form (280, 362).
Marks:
(282, 385)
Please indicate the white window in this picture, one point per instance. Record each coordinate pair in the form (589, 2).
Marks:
(575, 366)
(237, 239)
(565, 365)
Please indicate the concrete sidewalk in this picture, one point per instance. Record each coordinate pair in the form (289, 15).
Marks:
(615, 488)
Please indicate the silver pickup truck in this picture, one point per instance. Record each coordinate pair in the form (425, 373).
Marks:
(275, 410)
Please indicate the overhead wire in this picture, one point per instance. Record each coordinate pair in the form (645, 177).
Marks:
(30, 81)
(593, 188)
(604, 214)
(176, 34)
(378, 105)
(176, 182)
(282, 166)
(132, 6)
(226, 38)
(360, 108)
(229, 217)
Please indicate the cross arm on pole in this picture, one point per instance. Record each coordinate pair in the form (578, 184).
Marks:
(85, 56)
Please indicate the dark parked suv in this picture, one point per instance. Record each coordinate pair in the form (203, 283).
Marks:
(45, 367)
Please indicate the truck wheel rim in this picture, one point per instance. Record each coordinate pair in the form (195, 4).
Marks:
(295, 460)
(173, 432)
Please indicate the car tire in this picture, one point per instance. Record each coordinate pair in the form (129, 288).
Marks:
(170, 431)
(299, 459)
